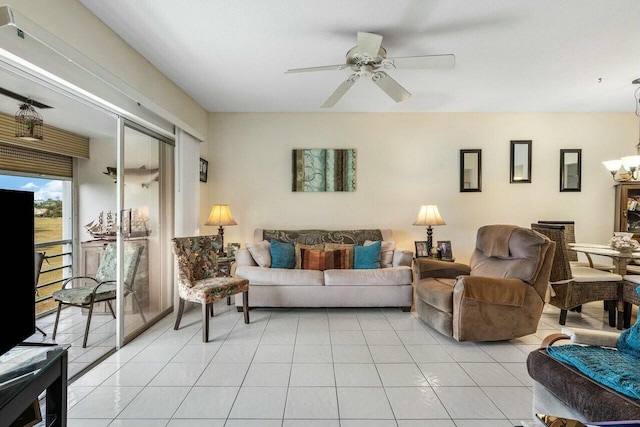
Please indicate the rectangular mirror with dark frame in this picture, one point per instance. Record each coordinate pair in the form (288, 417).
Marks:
(520, 162)
(470, 171)
(570, 169)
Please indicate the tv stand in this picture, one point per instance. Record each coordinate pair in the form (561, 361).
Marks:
(36, 368)
(37, 344)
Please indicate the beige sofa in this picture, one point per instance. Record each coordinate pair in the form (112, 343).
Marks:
(387, 286)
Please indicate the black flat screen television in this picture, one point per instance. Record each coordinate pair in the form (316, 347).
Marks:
(17, 253)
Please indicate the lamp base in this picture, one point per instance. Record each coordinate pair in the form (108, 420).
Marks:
(429, 240)
(221, 252)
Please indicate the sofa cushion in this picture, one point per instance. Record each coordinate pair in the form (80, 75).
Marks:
(367, 257)
(521, 250)
(321, 260)
(370, 277)
(299, 246)
(313, 237)
(386, 252)
(402, 257)
(280, 276)
(261, 253)
(436, 292)
(334, 246)
(283, 254)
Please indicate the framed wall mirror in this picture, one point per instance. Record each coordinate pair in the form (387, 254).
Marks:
(520, 162)
(570, 169)
(470, 171)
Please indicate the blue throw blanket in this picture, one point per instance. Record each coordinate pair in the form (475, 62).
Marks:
(629, 341)
(618, 369)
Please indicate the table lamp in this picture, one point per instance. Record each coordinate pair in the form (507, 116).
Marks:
(429, 216)
(221, 215)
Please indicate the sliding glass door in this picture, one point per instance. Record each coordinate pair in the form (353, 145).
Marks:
(145, 205)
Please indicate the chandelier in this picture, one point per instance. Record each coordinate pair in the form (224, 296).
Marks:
(630, 164)
(28, 123)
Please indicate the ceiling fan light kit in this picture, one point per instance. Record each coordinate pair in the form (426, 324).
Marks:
(630, 165)
(369, 58)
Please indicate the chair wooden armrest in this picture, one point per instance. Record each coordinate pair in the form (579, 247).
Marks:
(552, 339)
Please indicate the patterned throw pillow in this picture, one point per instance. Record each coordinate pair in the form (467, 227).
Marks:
(347, 246)
(283, 254)
(299, 246)
(313, 259)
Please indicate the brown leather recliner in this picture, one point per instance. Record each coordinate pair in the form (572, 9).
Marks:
(499, 296)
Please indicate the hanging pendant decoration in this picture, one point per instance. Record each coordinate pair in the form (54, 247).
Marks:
(28, 123)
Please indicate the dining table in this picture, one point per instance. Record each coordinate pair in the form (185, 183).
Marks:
(620, 260)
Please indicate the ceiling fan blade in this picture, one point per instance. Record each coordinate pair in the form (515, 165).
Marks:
(421, 62)
(340, 91)
(369, 44)
(322, 68)
(390, 86)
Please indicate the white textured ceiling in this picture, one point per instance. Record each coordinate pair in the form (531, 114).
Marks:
(511, 55)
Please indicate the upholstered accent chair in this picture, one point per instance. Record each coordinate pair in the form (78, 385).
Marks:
(75, 291)
(498, 296)
(573, 286)
(201, 281)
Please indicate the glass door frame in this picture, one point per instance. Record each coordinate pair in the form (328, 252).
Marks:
(166, 221)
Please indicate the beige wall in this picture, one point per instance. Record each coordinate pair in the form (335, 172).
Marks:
(405, 160)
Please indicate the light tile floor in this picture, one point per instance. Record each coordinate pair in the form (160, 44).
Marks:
(313, 367)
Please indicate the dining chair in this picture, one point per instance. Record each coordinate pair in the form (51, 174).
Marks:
(573, 286)
(201, 281)
(102, 287)
(570, 236)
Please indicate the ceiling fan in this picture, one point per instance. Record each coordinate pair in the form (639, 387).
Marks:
(369, 58)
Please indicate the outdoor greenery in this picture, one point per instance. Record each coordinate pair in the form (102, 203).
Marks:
(51, 208)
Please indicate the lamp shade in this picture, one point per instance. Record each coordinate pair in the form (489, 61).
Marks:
(630, 161)
(220, 215)
(612, 165)
(429, 215)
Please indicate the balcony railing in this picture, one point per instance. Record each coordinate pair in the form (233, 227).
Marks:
(56, 267)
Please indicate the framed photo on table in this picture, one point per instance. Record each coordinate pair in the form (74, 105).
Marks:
(445, 249)
(232, 248)
(422, 250)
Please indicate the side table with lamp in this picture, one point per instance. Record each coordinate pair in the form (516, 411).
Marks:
(429, 216)
(220, 216)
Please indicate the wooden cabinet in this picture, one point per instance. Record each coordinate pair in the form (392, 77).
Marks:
(92, 252)
(627, 213)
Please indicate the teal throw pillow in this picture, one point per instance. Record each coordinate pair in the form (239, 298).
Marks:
(367, 257)
(283, 255)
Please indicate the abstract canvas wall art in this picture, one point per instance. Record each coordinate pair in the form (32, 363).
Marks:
(324, 170)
